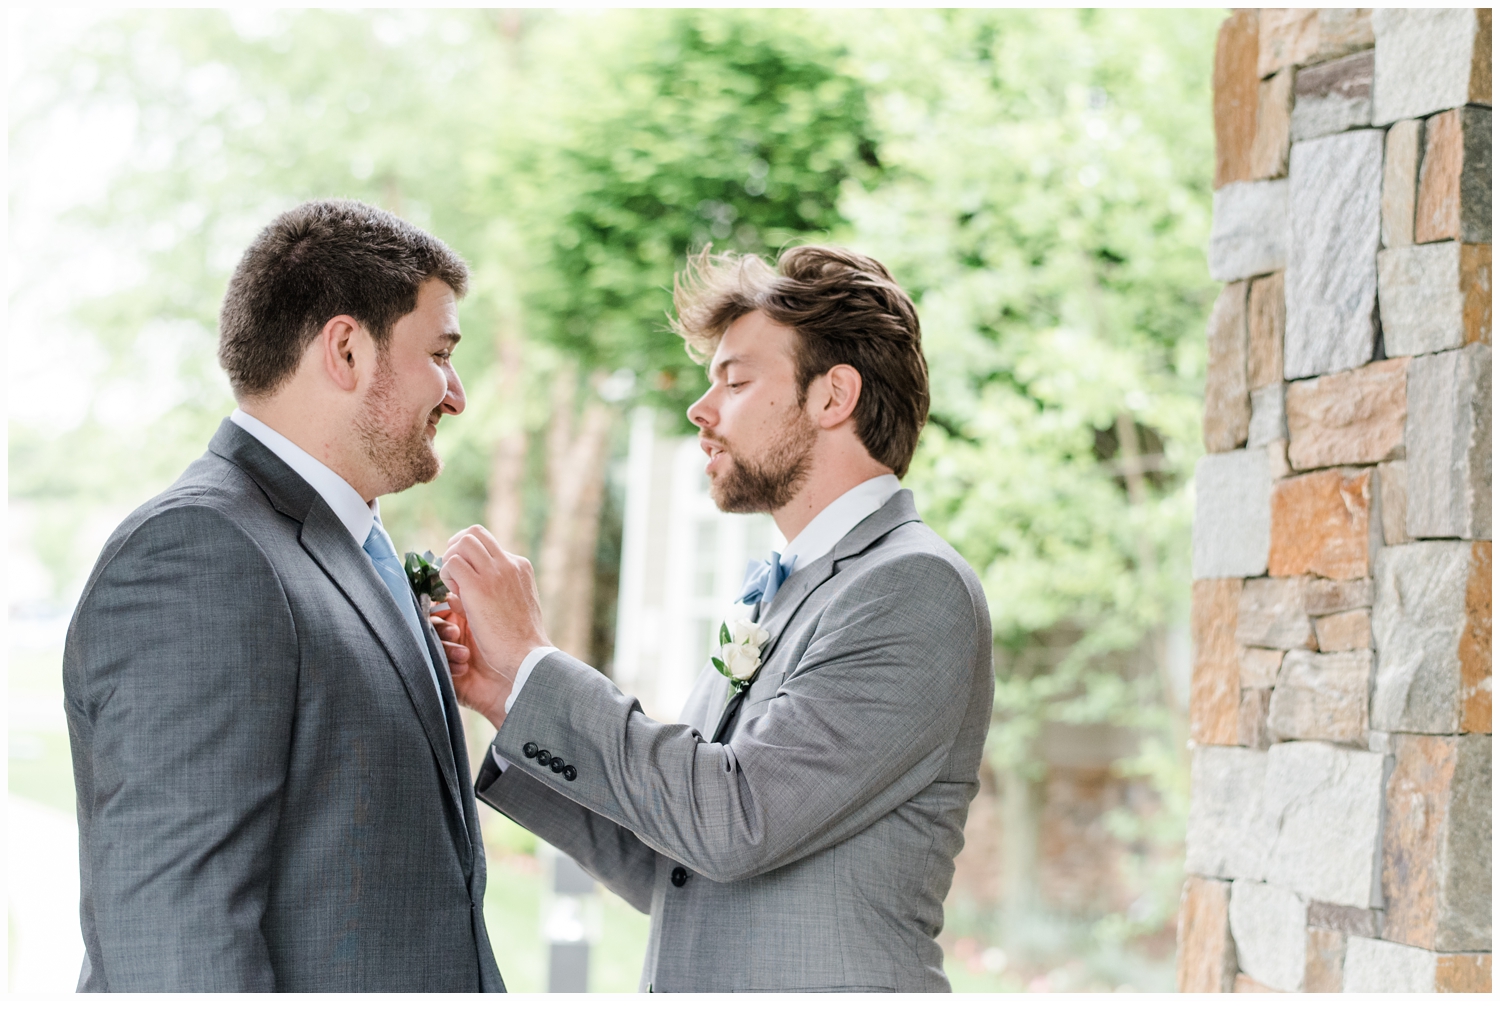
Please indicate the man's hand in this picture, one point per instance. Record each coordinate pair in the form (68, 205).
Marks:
(498, 619)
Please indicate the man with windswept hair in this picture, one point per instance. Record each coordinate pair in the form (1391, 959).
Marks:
(796, 829)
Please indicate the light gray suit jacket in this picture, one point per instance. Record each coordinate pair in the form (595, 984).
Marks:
(813, 848)
(267, 796)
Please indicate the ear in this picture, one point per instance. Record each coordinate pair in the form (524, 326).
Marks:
(838, 389)
(343, 345)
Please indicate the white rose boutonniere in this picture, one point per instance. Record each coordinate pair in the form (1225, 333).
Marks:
(738, 657)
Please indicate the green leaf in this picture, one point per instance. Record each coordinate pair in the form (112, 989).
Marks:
(719, 665)
(724, 638)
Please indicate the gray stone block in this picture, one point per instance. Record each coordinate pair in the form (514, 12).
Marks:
(1354, 921)
(1272, 615)
(1269, 926)
(1325, 803)
(1417, 623)
(1421, 300)
(1267, 415)
(1249, 234)
(1448, 464)
(1232, 515)
(1381, 966)
(1466, 856)
(1332, 97)
(1392, 479)
(1335, 233)
(1332, 596)
(1227, 835)
(1424, 61)
(1322, 696)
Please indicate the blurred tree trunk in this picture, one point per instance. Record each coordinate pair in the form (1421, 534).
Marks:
(508, 461)
(576, 449)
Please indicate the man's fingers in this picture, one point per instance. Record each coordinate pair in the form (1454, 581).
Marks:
(487, 538)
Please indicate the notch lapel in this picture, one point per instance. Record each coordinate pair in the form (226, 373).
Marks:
(327, 541)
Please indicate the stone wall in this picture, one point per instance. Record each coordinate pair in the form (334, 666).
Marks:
(1340, 834)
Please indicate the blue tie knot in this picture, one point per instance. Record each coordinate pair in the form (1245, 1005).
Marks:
(763, 578)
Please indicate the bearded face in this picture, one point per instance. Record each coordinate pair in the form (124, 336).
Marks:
(766, 480)
(394, 435)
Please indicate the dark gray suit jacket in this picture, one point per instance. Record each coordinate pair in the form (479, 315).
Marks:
(267, 796)
(811, 850)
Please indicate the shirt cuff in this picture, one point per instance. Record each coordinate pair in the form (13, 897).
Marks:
(528, 664)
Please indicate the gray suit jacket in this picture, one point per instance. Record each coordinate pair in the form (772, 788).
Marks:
(267, 795)
(811, 850)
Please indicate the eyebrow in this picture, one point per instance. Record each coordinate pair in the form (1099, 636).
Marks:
(452, 338)
(720, 367)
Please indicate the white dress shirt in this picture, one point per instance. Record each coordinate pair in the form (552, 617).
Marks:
(817, 538)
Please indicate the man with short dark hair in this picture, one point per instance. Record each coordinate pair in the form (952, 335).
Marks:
(272, 784)
(797, 829)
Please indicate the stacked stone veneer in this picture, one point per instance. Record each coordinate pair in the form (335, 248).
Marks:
(1339, 837)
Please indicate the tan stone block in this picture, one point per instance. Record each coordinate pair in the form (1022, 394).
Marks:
(1344, 919)
(1334, 596)
(1226, 397)
(1398, 184)
(1393, 502)
(1343, 30)
(1273, 127)
(1475, 657)
(1236, 95)
(1255, 733)
(1476, 281)
(1357, 416)
(1325, 961)
(1272, 615)
(1244, 983)
(1436, 844)
(1276, 465)
(1214, 706)
(1258, 667)
(1453, 187)
(1464, 973)
(1288, 37)
(1267, 329)
(1322, 697)
(1343, 632)
(1205, 951)
(1320, 525)
(1481, 70)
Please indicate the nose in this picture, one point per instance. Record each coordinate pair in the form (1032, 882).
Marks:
(455, 401)
(703, 414)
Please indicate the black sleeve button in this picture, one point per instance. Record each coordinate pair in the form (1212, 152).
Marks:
(679, 876)
(529, 750)
(543, 756)
(557, 765)
(570, 773)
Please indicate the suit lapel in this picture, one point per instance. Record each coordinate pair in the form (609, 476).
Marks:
(328, 542)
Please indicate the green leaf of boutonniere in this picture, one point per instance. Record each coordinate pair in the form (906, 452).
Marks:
(422, 573)
(724, 636)
(719, 665)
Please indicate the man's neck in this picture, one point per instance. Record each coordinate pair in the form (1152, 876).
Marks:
(827, 482)
(308, 430)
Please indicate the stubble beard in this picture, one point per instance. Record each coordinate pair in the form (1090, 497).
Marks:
(399, 452)
(773, 480)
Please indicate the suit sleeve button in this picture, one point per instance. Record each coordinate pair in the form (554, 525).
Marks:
(557, 764)
(679, 876)
(543, 756)
(529, 750)
(570, 773)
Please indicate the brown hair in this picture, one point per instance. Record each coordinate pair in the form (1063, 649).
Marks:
(316, 261)
(846, 310)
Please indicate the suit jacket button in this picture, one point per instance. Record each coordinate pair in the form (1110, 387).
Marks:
(570, 773)
(543, 756)
(529, 750)
(557, 765)
(679, 876)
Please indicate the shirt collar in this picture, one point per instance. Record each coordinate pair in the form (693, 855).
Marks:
(844, 513)
(354, 512)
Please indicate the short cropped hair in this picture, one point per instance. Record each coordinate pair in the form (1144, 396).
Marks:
(316, 261)
(846, 310)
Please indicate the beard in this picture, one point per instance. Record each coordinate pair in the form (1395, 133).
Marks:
(770, 481)
(396, 447)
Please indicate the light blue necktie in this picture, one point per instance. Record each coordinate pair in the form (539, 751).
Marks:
(383, 553)
(763, 578)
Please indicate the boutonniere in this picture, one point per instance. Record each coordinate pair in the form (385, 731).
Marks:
(422, 573)
(738, 655)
